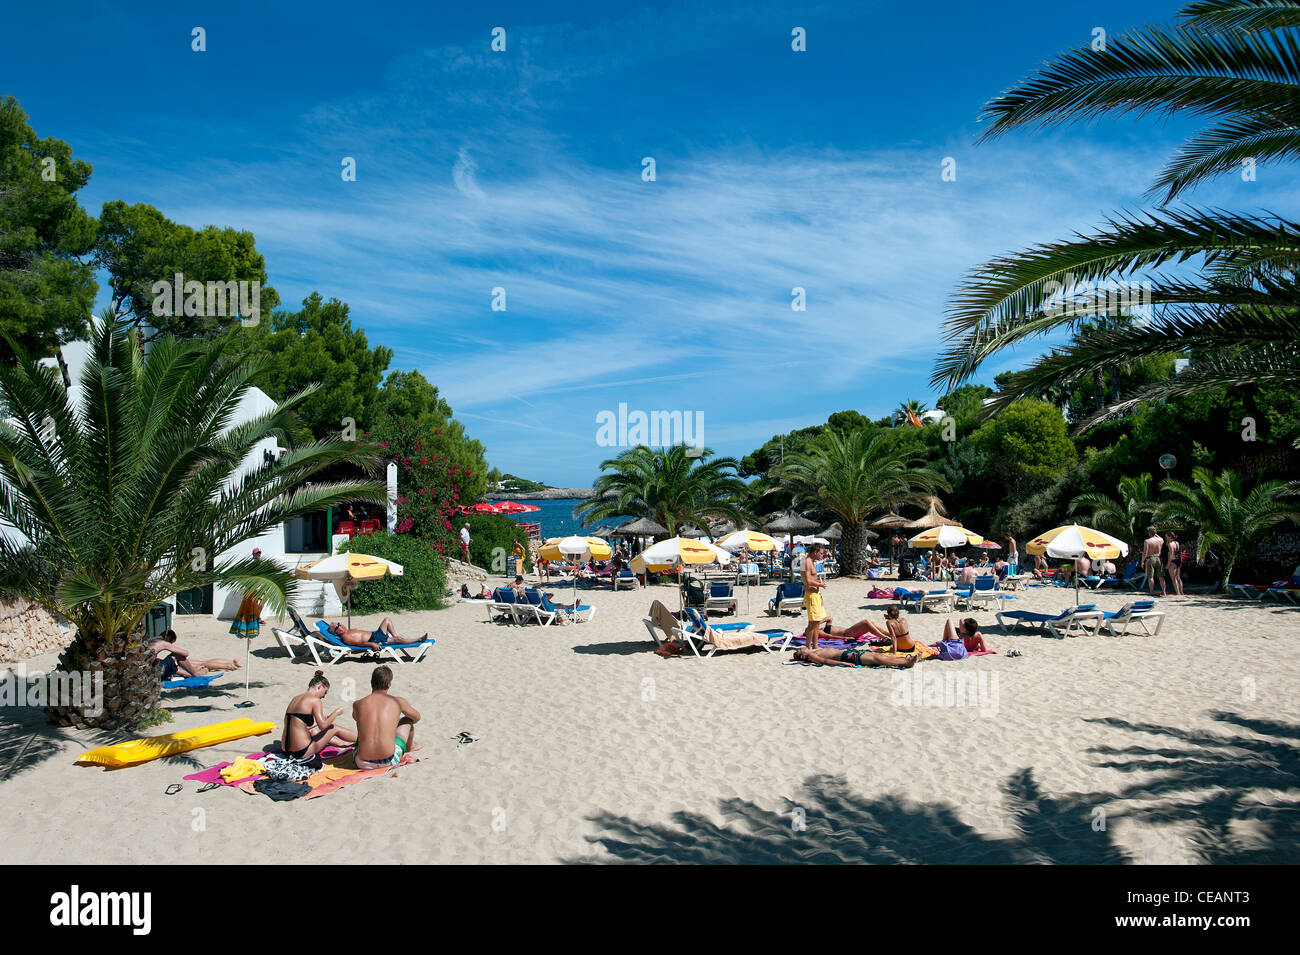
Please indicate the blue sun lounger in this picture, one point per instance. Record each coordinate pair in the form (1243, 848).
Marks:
(1059, 624)
(335, 649)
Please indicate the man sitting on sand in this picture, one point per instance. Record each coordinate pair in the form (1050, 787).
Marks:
(382, 717)
(384, 635)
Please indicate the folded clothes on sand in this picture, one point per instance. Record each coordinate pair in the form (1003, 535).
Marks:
(240, 770)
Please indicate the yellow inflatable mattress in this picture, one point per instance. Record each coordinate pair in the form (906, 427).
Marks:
(142, 750)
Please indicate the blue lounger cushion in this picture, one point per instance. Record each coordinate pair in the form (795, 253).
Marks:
(190, 681)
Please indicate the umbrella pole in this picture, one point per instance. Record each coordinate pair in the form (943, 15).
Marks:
(245, 702)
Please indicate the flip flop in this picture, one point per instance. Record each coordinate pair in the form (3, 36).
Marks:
(464, 739)
(173, 789)
(209, 786)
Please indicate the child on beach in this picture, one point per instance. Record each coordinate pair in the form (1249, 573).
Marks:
(968, 632)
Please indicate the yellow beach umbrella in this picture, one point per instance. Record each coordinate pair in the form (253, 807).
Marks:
(584, 548)
(684, 550)
(345, 567)
(1074, 540)
(748, 540)
(945, 535)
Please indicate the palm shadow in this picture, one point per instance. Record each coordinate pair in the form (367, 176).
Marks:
(1230, 792)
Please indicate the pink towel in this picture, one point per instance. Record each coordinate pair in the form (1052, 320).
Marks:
(213, 775)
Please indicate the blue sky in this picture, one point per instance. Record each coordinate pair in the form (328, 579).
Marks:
(522, 170)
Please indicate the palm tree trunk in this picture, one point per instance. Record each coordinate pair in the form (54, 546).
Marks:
(854, 549)
(131, 684)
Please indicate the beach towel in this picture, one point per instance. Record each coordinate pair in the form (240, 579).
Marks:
(354, 776)
(190, 681)
(213, 774)
(240, 770)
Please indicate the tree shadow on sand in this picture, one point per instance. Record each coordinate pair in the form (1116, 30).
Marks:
(844, 827)
(1226, 789)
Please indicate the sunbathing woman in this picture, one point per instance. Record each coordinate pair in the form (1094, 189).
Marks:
(895, 631)
(307, 730)
(384, 635)
(176, 661)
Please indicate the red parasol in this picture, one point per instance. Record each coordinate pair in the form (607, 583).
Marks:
(482, 507)
(513, 507)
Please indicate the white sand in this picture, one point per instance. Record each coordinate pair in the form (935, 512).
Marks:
(584, 733)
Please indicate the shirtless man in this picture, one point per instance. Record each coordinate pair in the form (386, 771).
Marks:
(1151, 548)
(385, 724)
(853, 658)
(384, 635)
(812, 597)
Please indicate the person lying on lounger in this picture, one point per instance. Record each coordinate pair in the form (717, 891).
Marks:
(385, 724)
(825, 656)
(895, 631)
(176, 661)
(307, 730)
(382, 636)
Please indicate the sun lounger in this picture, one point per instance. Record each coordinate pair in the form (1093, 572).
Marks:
(1247, 590)
(505, 607)
(334, 650)
(706, 640)
(626, 578)
(720, 597)
(1059, 624)
(928, 598)
(1287, 594)
(789, 597)
(1139, 612)
(539, 609)
(748, 574)
(984, 592)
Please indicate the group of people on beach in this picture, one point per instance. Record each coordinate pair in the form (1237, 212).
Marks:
(385, 723)
(890, 645)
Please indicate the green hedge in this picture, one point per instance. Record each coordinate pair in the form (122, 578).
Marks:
(487, 532)
(422, 586)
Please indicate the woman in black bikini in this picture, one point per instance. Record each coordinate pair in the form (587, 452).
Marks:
(307, 730)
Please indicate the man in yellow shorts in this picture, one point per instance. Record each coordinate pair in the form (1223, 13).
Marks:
(812, 597)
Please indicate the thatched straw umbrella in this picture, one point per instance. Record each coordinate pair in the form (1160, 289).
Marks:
(790, 524)
(643, 527)
(935, 516)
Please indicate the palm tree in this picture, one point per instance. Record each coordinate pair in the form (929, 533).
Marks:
(672, 486)
(853, 475)
(1235, 61)
(911, 404)
(1126, 517)
(128, 488)
(1226, 515)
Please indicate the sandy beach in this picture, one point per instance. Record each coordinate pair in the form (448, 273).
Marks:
(1175, 748)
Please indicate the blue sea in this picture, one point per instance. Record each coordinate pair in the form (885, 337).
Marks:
(556, 518)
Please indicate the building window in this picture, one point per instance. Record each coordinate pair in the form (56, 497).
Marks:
(305, 535)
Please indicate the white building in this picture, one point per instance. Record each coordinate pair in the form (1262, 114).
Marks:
(292, 544)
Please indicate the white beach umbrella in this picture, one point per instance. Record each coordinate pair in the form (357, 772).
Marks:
(343, 568)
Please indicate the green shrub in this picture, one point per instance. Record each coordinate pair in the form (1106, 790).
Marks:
(422, 586)
(487, 533)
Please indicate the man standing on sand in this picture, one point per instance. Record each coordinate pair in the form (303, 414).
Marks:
(464, 541)
(812, 597)
(1151, 563)
(385, 724)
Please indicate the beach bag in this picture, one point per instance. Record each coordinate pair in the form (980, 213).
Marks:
(695, 595)
(464, 590)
